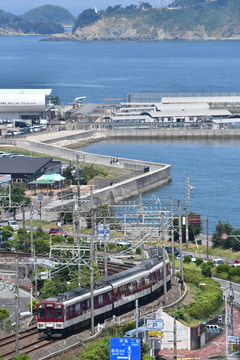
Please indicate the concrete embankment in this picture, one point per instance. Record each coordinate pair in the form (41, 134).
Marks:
(150, 175)
(169, 133)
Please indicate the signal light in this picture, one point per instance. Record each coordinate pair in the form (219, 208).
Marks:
(212, 329)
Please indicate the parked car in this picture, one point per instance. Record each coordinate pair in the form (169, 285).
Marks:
(169, 250)
(13, 224)
(57, 231)
(237, 261)
(186, 254)
(217, 262)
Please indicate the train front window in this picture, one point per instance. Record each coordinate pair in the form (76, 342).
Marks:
(58, 313)
(49, 313)
(41, 313)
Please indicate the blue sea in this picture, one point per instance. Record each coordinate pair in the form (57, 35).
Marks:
(110, 70)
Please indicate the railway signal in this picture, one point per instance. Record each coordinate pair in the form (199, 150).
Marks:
(213, 329)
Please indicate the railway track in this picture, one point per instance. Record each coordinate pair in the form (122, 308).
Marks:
(28, 342)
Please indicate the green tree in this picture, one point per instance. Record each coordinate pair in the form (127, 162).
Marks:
(7, 232)
(18, 198)
(222, 228)
(206, 269)
(4, 314)
(55, 100)
(33, 306)
(193, 231)
(51, 288)
(87, 17)
(85, 274)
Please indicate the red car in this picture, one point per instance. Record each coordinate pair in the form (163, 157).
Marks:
(57, 231)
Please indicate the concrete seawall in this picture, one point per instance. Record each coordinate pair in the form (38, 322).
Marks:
(151, 175)
(170, 133)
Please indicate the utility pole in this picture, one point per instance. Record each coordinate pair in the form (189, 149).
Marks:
(93, 221)
(136, 316)
(164, 260)
(105, 248)
(187, 208)
(174, 339)
(172, 236)
(16, 307)
(24, 228)
(31, 230)
(180, 240)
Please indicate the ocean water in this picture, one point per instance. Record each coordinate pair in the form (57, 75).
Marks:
(111, 70)
(104, 70)
(212, 167)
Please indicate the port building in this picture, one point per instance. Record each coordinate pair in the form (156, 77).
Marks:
(25, 104)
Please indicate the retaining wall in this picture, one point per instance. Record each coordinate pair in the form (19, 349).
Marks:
(151, 175)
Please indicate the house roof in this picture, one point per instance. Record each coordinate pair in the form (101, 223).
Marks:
(22, 165)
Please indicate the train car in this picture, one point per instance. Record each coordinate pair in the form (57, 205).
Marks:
(113, 295)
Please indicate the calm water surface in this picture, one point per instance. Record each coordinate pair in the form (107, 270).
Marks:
(212, 167)
(103, 70)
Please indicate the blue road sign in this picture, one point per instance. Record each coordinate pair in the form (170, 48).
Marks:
(125, 348)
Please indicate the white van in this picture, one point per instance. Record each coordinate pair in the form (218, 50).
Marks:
(217, 262)
(13, 224)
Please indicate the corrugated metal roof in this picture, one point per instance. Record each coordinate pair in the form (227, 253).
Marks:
(20, 165)
(201, 99)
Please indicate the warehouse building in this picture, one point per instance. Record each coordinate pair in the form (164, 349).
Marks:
(30, 105)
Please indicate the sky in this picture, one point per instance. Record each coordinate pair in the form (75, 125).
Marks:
(18, 7)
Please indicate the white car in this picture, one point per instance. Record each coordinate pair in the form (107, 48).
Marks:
(186, 254)
(13, 224)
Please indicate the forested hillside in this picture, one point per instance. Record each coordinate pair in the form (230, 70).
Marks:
(46, 19)
(183, 19)
(49, 13)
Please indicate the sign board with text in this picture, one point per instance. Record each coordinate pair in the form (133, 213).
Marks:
(125, 348)
(154, 324)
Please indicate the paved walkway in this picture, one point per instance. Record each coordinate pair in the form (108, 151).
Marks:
(213, 349)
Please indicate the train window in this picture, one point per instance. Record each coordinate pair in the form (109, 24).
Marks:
(122, 290)
(41, 313)
(88, 304)
(78, 308)
(100, 300)
(58, 314)
(71, 310)
(49, 313)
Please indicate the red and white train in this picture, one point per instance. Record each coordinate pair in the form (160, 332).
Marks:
(113, 295)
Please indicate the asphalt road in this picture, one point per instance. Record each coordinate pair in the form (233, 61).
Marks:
(226, 285)
(7, 300)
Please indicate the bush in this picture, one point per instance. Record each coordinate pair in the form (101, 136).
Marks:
(199, 261)
(187, 259)
(179, 314)
(222, 268)
(138, 251)
(206, 269)
(192, 277)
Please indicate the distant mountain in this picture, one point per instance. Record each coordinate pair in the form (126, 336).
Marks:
(49, 13)
(48, 19)
(183, 19)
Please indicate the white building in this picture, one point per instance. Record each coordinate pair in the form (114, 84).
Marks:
(25, 104)
(180, 110)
